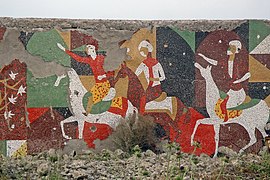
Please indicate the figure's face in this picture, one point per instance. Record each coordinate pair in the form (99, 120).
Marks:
(145, 47)
(90, 50)
(144, 51)
(231, 50)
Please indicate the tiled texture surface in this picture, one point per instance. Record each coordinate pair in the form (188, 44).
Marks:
(42, 104)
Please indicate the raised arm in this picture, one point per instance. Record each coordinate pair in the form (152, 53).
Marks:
(245, 77)
(209, 60)
(73, 55)
(77, 57)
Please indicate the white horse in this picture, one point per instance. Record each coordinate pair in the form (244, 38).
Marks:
(77, 92)
(251, 119)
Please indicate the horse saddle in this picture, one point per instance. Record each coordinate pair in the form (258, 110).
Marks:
(162, 97)
(229, 113)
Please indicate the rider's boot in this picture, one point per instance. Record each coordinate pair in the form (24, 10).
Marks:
(110, 95)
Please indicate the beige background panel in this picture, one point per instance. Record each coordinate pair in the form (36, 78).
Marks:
(88, 82)
(259, 73)
(66, 37)
(121, 87)
(267, 100)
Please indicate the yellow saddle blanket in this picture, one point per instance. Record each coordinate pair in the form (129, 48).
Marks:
(224, 113)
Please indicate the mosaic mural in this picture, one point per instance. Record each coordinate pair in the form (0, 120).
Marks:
(212, 88)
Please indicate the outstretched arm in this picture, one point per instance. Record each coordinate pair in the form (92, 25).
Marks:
(60, 46)
(245, 77)
(209, 60)
(73, 55)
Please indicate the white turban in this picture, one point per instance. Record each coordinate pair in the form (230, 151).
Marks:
(237, 44)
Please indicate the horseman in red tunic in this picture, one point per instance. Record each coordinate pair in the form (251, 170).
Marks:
(153, 72)
(102, 90)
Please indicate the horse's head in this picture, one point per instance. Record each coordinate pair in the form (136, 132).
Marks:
(205, 72)
(122, 73)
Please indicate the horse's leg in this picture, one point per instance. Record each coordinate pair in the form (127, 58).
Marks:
(136, 112)
(80, 128)
(216, 129)
(130, 109)
(198, 122)
(252, 119)
(253, 139)
(68, 120)
(109, 118)
(208, 121)
(264, 134)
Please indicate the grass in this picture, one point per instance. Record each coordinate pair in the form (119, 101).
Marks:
(53, 159)
(263, 168)
(258, 168)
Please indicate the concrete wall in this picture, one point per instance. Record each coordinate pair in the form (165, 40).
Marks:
(202, 81)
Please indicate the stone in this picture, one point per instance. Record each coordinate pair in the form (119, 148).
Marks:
(235, 162)
(227, 151)
(72, 154)
(263, 151)
(77, 145)
(87, 152)
(130, 168)
(79, 174)
(106, 152)
(204, 155)
(51, 153)
(42, 155)
(29, 158)
(43, 169)
(146, 165)
(65, 157)
(78, 164)
(149, 153)
(120, 154)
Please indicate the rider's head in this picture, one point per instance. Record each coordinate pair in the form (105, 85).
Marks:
(145, 47)
(90, 50)
(234, 47)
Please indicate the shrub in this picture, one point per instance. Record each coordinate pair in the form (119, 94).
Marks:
(135, 130)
